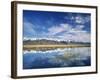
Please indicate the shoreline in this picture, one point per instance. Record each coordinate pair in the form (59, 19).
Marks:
(51, 47)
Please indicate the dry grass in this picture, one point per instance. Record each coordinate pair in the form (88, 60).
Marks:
(30, 46)
(50, 47)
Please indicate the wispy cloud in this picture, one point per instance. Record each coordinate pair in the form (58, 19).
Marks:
(79, 19)
(82, 20)
(58, 29)
(67, 32)
(28, 29)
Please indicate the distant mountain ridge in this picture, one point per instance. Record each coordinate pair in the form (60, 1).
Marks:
(51, 42)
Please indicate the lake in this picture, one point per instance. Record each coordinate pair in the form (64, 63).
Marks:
(66, 57)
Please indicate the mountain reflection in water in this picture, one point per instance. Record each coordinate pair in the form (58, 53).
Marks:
(67, 57)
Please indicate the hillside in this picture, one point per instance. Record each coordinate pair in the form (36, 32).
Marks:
(50, 42)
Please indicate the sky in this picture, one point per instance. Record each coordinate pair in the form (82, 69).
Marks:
(61, 26)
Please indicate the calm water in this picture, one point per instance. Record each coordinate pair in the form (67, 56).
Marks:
(67, 57)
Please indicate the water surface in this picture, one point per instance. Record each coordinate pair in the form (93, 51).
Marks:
(67, 57)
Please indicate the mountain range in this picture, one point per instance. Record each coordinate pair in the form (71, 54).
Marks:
(51, 42)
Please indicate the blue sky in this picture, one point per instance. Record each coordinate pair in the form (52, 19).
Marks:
(56, 25)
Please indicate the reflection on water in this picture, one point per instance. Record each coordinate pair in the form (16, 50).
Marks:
(67, 57)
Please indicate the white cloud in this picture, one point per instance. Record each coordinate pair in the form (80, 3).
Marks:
(79, 27)
(77, 35)
(28, 29)
(78, 19)
(65, 32)
(69, 33)
(82, 20)
(54, 30)
(60, 28)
